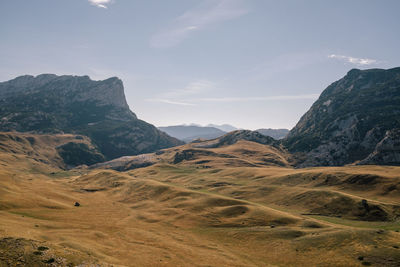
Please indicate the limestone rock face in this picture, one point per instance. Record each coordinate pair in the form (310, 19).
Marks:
(49, 103)
(349, 119)
(387, 151)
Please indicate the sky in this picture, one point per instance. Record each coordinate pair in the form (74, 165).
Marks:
(249, 63)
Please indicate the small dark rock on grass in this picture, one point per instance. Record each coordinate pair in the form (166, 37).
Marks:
(51, 260)
(77, 204)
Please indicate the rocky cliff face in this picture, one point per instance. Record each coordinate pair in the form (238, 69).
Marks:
(70, 88)
(387, 151)
(49, 103)
(349, 119)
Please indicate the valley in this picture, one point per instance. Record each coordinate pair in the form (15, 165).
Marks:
(203, 210)
(201, 133)
(84, 182)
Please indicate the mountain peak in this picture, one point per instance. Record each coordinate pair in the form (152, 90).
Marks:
(353, 72)
(69, 88)
(350, 117)
(49, 103)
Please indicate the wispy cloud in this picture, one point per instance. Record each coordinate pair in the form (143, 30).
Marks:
(100, 3)
(284, 63)
(175, 97)
(196, 101)
(354, 60)
(195, 87)
(168, 101)
(259, 98)
(208, 13)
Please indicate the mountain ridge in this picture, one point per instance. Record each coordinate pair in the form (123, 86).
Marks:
(349, 119)
(76, 104)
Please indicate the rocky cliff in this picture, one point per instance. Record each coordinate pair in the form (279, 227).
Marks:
(387, 151)
(349, 119)
(49, 103)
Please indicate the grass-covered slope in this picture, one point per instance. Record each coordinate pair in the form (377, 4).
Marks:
(186, 215)
(54, 150)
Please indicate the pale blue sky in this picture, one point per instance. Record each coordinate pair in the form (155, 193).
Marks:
(249, 63)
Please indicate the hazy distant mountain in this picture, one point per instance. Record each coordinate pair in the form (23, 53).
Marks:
(49, 103)
(189, 133)
(355, 118)
(274, 133)
(224, 127)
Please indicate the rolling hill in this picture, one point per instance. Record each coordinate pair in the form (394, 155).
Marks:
(219, 204)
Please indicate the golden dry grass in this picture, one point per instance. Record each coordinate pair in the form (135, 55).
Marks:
(205, 214)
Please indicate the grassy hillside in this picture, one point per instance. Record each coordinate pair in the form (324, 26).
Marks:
(198, 214)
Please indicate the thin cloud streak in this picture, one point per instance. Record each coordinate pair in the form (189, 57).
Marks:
(100, 3)
(195, 87)
(195, 102)
(199, 18)
(284, 63)
(355, 60)
(259, 98)
(168, 101)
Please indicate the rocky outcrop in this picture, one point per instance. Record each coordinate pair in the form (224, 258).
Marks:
(235, 136)
(387, 151)
(128, 162)
(49, 103)
(349, 119)
(72, 88)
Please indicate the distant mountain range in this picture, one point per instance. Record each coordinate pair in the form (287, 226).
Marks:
(188, 133)
(49, 103)
(274, 133)
(224, 127)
